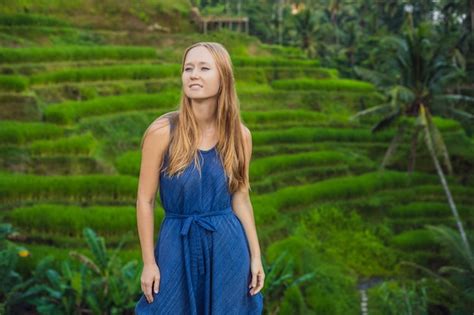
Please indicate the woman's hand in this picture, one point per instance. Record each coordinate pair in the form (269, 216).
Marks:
(257, 275)
(150, 280)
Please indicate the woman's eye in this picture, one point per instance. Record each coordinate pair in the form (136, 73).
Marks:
(203, 68)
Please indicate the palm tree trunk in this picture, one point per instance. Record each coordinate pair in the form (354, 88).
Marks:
(393, 145)
(452, 205)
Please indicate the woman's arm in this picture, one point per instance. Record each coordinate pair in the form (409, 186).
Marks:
(242, 205)
(244, 211)
(155, 143)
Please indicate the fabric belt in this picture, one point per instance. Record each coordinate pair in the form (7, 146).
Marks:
(197, 220)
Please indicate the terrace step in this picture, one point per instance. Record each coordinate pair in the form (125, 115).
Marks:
(19, 107)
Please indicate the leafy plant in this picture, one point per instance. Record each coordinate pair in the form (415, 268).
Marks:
(279, 277)
(457, 279)
(112, 287)
(394, 298)
(14, 291)
(101, 284)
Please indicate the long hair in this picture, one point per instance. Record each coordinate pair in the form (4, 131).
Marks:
(230, 146)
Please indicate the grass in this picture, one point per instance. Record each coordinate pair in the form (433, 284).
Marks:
(72, 52)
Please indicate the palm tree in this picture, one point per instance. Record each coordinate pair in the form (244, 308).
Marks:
(419, 87)
(306, 27)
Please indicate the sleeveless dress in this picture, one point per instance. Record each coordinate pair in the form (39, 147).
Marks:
(202, 250)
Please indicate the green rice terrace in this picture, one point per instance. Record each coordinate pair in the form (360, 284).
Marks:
(335, 230)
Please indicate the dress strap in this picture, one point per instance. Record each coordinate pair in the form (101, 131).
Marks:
(171, 119)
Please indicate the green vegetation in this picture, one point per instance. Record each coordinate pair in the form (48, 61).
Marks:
(19, 132)
(346, 204)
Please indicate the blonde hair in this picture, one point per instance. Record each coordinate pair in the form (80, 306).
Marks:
(230, 146)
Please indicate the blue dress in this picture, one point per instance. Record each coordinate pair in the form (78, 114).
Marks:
(202, 250)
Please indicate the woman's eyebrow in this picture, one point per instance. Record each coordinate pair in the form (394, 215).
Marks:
(202, 62)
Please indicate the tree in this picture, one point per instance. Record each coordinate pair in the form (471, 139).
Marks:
(423, 72)
(306, 27)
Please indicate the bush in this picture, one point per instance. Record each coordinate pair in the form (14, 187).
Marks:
(102, 283)
(424, 209)
(129, 163)
(75, 145)
(283, 278)
(30, 19)
(242, 61)
(333, 291)
(113, 72)
(15, 132)
(293, 302)
(265, 167)
(329, 84)
(286, 199)
(13, 83)
(90, 189)
(348, 240)
(400, 297)
(302, 135)
(415, 239)
(71, 220)
(72, 111)
(62, 53)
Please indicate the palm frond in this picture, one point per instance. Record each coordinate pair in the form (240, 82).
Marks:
(85, 261)
(371, 110)
(375, 77)
(461, 113)
(453, 242)
(395, 41)
(97, 247)
(303, 278)
(386, 121)
(431, 273)
(450, 77)
(401, 94)
(454, 97)
(452, 269)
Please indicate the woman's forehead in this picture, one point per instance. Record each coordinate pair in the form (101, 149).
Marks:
(198, 55)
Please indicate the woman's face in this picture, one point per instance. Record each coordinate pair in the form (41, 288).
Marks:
(200, 76)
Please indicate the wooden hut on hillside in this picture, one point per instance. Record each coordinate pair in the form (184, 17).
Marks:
(208, 23)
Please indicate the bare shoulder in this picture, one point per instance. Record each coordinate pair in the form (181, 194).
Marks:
(155, 142)
(158, 133)
(247, 136)
(247, 139)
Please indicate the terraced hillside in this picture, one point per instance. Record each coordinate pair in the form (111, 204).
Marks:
(72, 120)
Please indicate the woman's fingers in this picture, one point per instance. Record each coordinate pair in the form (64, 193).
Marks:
(147, 291)
(150, 281)
(257, 282)
(157, 284)
(253, 283)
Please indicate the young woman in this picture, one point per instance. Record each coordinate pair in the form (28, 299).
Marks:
(207, 259)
